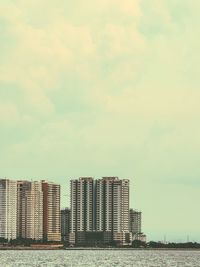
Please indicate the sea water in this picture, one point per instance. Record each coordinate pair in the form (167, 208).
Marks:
(100, 258)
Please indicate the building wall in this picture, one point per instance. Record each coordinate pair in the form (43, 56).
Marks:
(100, 210)
(117, 207)
(21, 187)
(125, 205)
(108, 204)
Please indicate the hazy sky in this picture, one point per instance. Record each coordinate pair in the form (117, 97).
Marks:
(106, 87)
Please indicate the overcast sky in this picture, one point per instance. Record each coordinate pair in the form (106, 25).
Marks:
(110, 87)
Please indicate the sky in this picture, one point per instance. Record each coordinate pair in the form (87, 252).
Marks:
(106, 88)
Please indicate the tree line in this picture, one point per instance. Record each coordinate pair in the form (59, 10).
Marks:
(153, 244)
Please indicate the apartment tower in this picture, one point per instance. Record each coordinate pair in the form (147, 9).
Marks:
(29, 210)
(8, 209)
(100, 211)
(82, 205)
(135, 221)
(51, 211)
(136, 225)
(65, 224)
(112, 209)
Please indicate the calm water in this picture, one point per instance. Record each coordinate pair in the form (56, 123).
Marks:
(100, 258)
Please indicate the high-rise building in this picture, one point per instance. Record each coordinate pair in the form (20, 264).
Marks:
(30, 210)
(65, 224)
(100, 211)
(135, 221)
(82, 206)
(112, 209)
(8, 209)
(51, 211)
(136, 225)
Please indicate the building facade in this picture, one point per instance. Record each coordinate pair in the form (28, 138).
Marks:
(82, 205)
(136, 225)
(51, 211)
(135, 221)
(112, 209)
(8, 209)
(100, 211)
(30, 210)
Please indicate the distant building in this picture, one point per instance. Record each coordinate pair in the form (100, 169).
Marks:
(142, 237)
(135, 221)
(136, 225)
(82, 209)
(8, 209)
(29, 210)
(112, 209)
(100, 211)
(65, 224)
(51, 211)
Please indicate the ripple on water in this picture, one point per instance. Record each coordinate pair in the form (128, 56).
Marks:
(100, 258)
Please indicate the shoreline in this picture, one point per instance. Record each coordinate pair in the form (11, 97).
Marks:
(21, 248)
(32, 247)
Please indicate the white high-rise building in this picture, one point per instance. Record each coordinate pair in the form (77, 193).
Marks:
(81, 208)
(30, 210)
(100, 210)
(8, 209)
(112, 209)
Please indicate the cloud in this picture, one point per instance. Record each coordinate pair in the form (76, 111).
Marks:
(42, 55)
(8, 114)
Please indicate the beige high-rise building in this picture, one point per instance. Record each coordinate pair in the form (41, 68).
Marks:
(30, 210)
(51, 211)
(8, 209)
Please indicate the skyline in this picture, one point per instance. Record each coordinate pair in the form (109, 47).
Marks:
(106, 88)
(29, 210)
(99, 213)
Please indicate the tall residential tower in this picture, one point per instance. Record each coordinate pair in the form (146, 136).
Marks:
(8, 209)
(51, 211)
(82, 205)
(112, 209)
(65, 224)
(29, 210)
(100, 211)
(136, 225)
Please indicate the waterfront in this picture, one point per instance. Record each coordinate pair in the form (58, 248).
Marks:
(100, 258)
